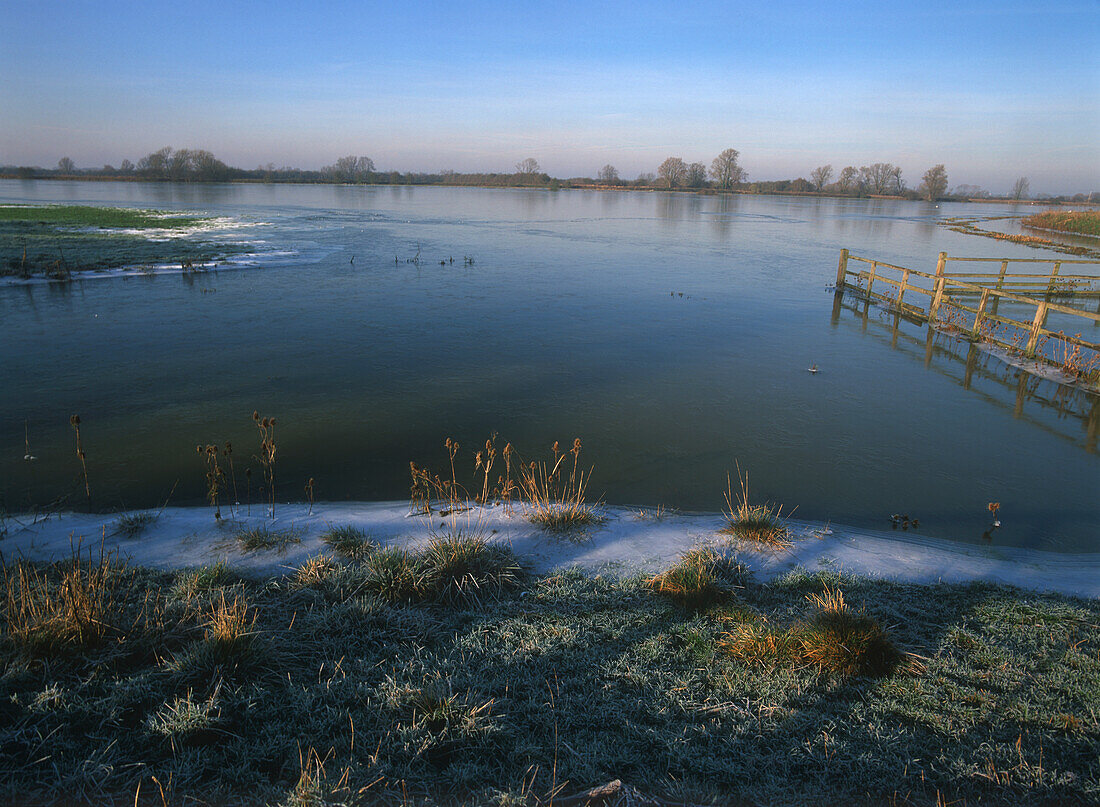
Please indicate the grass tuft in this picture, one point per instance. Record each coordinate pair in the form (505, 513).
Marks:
(700, 578)
(464, 567)
(263, 538)
(555, 491)
(761, 524)
(349, 542)
(843, 642)
(835, 640)
(131, 525)
(394, 575)
(68, 606)
(202, 580)
(316, 571)
(228, 627)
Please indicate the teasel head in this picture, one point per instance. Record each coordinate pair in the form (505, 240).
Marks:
(576, 445)
(477, 460)
(74, 420)
(198, 449)
(255, 414)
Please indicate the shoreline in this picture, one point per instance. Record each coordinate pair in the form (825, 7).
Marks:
(628, 542)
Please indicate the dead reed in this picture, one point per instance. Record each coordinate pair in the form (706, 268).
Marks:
(215, 477)
(556, 499)
(74, 421)
(267, 454)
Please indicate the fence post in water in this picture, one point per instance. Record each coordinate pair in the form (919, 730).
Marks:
(941, 264)
(976, 330)
(1036, 326)
(937, 298)
(871, 277)
(1000, 285)
(901, 288)
(842, 269)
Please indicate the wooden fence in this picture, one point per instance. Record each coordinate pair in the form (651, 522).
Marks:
(1047, 292)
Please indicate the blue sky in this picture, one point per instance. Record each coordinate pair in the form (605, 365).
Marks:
(994, 90)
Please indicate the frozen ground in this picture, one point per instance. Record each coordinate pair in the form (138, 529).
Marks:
(627, 542)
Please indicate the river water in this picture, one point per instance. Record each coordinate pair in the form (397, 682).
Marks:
(672, 333)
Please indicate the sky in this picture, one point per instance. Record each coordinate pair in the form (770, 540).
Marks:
(993, 90)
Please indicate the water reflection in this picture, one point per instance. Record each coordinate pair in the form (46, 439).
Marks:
(1030, 398)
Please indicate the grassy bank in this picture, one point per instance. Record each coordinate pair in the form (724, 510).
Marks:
(1085, 222)
(58, 240)
(379, 676)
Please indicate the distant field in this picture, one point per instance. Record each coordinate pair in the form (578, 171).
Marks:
(57, 240)
(1086, 222)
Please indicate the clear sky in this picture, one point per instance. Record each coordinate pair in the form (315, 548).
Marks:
(994, 90)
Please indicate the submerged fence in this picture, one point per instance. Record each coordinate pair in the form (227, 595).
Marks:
(949, 294)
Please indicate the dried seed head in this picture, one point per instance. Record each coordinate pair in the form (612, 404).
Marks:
(198, 449)
(255, 415)
(74, 420)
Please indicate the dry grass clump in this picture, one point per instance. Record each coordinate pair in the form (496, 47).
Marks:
(844, 642)
(261, 538)
(228, 627)
(462, 566)
(1069, 221)
(70, 605)
(349, 542)
(835, 640)
(700, 578)
(316, 571)
(762, 524)
(556, 499)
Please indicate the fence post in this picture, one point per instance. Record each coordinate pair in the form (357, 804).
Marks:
(901, 288)
(1000, 285)
(871, 277)
(937, 298)
(1036, 327)
(941, 264)
(842, 269)
(976, 330)
(1053, 276)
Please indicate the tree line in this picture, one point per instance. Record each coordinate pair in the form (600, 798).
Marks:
(725, 173)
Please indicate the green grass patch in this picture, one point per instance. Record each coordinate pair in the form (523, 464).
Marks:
(88, 216)
(58, 240)
(1086, 222)
(272, 692)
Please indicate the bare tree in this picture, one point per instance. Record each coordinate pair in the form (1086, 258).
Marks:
(645, 178)
(820, 176)
(896, 180)
(127, 167)
(65, 165)
(847, 179)
(528, 166)
(350, 169)
(877, 176)
(609, 175)
(726, 171)
(1021, 188)
(673, 172)
(934, 183)
(696, 175)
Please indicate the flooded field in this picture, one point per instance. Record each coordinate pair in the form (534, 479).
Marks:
(672, 333)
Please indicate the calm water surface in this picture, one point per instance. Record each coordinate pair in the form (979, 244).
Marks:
(672, 333)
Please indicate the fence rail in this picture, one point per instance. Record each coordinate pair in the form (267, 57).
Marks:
(944, 289)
